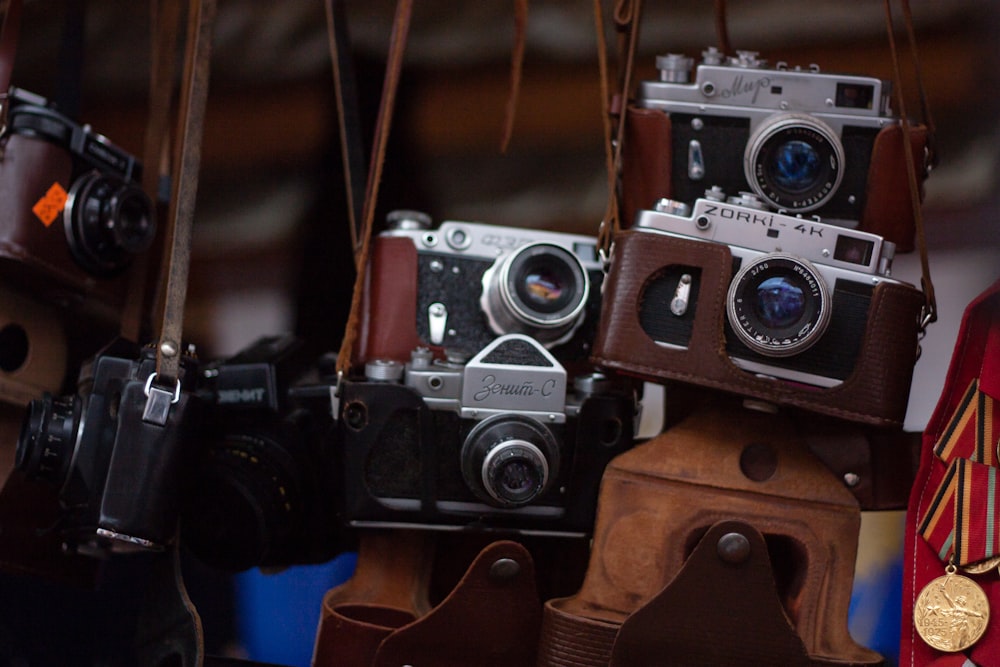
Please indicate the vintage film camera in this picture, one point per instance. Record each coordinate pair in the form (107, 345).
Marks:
(802, 140)
(72, 211)
(498, 443)
(463, 284)
(261, 493)
(731, 295)
(120, 470)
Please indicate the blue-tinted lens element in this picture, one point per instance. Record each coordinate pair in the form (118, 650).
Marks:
(779, 302)
(796, 166)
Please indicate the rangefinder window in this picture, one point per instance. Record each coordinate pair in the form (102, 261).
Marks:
(854, 96)
(853, 250)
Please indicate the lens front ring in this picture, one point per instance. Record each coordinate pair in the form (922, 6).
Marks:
(778, 305)
(794, 162)
(541, 289)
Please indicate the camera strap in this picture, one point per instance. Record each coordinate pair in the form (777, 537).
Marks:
(361, 230)
(164, 386)
(9, 33)
(627, 14)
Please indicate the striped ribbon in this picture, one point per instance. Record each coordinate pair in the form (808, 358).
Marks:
(962, 522)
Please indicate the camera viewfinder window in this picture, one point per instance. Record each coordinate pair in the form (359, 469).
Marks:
(854, 96)
(853, 250)
(585, 251)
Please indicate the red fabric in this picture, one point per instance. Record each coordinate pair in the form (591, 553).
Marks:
(977, 355)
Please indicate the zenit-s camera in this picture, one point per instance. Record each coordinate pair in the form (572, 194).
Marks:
(120, 471)
(731, 295)
(463, 284)
(498, 443)
(72, 210)
(802, 140)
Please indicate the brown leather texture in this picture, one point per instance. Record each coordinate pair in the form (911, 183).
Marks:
(647, 154)
(659, 500)
(888, 209)
(739, 586)
(35, 257)
(389, 323)
(875, 393)
(43, 364)
(492, 617)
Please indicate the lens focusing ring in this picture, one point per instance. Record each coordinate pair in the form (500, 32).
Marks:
(794, 162)
(510, 447)
(778, 305)
(544, 273)
(107, 220)
(46, 446)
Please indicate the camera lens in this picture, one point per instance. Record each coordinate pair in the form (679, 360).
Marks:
(778, 305)
(107, 221)
(794, 162)
(508, 460)
(48, 438)
(541, 289)
(248, 502)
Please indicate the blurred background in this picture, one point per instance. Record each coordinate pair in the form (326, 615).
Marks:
(271, 248)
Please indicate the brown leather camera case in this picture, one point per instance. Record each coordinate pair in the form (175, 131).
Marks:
(875, 393)
(667, 512)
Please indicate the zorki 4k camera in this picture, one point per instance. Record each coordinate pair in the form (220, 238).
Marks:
(498, 443)
(802, 140)
(72, 210)
(463, 284)
(731, 295)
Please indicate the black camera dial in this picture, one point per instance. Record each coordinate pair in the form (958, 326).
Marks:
(509, 460)
(541, 289)
(794, 161)
(778, 305)
(107, 221)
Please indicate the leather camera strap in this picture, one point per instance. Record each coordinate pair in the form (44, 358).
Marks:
(9, 33)
(627, 15)
(397, 46)
(194, 93)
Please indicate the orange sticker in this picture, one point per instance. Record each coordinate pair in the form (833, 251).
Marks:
(51, 205)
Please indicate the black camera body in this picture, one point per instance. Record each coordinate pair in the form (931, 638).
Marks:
(467, 283)
(261, 493)
(72, 210)
(802, 140)
(498, 443)
(119, 468)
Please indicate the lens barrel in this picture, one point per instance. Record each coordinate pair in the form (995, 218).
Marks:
(541, 289)
(778, 305)
(794, 161)
(48, 438)
(107, 221)
(509, 460)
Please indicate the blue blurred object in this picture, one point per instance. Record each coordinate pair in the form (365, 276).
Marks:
(279, 613)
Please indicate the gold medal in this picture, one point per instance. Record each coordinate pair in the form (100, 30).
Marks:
(951, 612)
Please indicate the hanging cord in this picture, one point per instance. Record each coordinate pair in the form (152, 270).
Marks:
(516, 66)
(348, 119)
(627, 14)
(394, 65)
(165, 16)
(194, 94)
(722, 27)
(930, 303)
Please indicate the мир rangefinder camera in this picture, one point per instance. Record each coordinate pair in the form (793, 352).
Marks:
(498, 443)
(72, 210)
(800, 139)
(463, 284)
(783, 298)
(119, 470)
